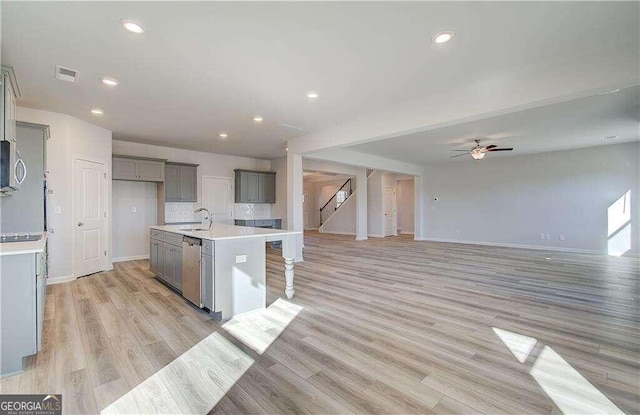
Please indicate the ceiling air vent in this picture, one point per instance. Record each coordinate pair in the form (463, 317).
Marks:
(66, 74)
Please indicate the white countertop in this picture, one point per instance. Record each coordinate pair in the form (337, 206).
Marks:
(220, 231)
(19, 248)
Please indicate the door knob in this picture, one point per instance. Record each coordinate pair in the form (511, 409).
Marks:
(80, 223)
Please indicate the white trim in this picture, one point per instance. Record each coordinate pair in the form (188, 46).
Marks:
(517, 246)
(361, 239)
(339, 233)
(376, 235)
(60, 280)
(106, 223)
(311, 229)
(130, 258)
(407, 233)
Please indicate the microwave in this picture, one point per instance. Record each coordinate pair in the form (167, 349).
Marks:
(13, 171)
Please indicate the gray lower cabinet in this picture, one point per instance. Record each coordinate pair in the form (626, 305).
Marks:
(181, 182)
(22, 300)
(165, 258)
(255, 186)
(137, 169)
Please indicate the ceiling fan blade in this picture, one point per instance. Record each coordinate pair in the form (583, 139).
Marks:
(490, 147)
(501, 149)
(458, 155)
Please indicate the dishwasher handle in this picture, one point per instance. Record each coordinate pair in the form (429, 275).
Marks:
(191, 241)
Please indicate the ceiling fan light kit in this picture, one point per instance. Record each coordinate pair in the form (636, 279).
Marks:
(478, 152)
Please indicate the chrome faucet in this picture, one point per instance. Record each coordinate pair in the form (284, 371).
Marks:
(208, 215)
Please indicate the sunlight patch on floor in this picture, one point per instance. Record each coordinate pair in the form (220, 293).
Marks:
(519, 345)
(193, 383)
(258, 329)
(567, 388)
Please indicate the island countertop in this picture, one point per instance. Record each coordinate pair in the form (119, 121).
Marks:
(221, 231)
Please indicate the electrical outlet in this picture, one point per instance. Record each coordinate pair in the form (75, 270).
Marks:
(57, 210)
(133, 209)
(561, 237)
(541, 235)
(241, 259)
(546, 236)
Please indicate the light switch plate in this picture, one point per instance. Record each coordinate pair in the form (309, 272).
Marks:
(241, 259)
(57, 210)
(133, 209)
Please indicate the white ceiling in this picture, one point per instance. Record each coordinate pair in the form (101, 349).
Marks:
(578, 123)
(205, 67)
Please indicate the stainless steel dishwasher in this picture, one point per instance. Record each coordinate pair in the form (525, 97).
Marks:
(191, 281)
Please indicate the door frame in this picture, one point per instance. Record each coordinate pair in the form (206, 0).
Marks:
(105, 219)
(231, 192)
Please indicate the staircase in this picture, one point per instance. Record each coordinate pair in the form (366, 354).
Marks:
(338, 199)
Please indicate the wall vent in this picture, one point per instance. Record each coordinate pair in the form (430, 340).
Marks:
(66, 74)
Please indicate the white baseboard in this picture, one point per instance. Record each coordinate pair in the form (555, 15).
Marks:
(376, 235)
(361, 239)
(311, 229)
(518, 246)
(406, 233)
(338, 233)
(131, 258)
(60, 280)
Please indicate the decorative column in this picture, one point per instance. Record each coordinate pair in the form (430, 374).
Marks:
(289, 244)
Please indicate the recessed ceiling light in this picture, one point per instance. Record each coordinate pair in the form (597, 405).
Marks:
(97, 111)
(312, 94)
(132, 26)
(443, 37)
(110, 81)
(223, 135)
(257, 118)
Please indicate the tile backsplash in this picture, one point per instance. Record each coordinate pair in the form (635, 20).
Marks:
(183, 212)
(252, 211)
(180, 212)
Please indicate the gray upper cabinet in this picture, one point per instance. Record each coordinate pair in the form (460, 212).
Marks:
(181, 182)
(267, 188)
(137, 169)
(255, 187)
(8, 93)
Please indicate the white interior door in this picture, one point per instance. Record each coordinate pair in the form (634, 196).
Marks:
(305, 204)
(389, 211)
(90, 217)
(216, 196)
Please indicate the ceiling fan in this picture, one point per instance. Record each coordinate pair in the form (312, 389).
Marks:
(478, 152)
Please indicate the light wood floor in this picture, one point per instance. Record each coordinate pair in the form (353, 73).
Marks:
(382, 326)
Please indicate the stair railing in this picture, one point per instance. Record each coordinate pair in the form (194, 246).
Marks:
(346, 186)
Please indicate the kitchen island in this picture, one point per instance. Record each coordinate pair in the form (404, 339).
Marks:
(232, 264)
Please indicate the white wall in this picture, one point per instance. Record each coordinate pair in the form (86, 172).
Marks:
(344, 220)
(131, 229)
(320, 192)
(512, 200)
(405, 205)
(69, 137)
(279, 209)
